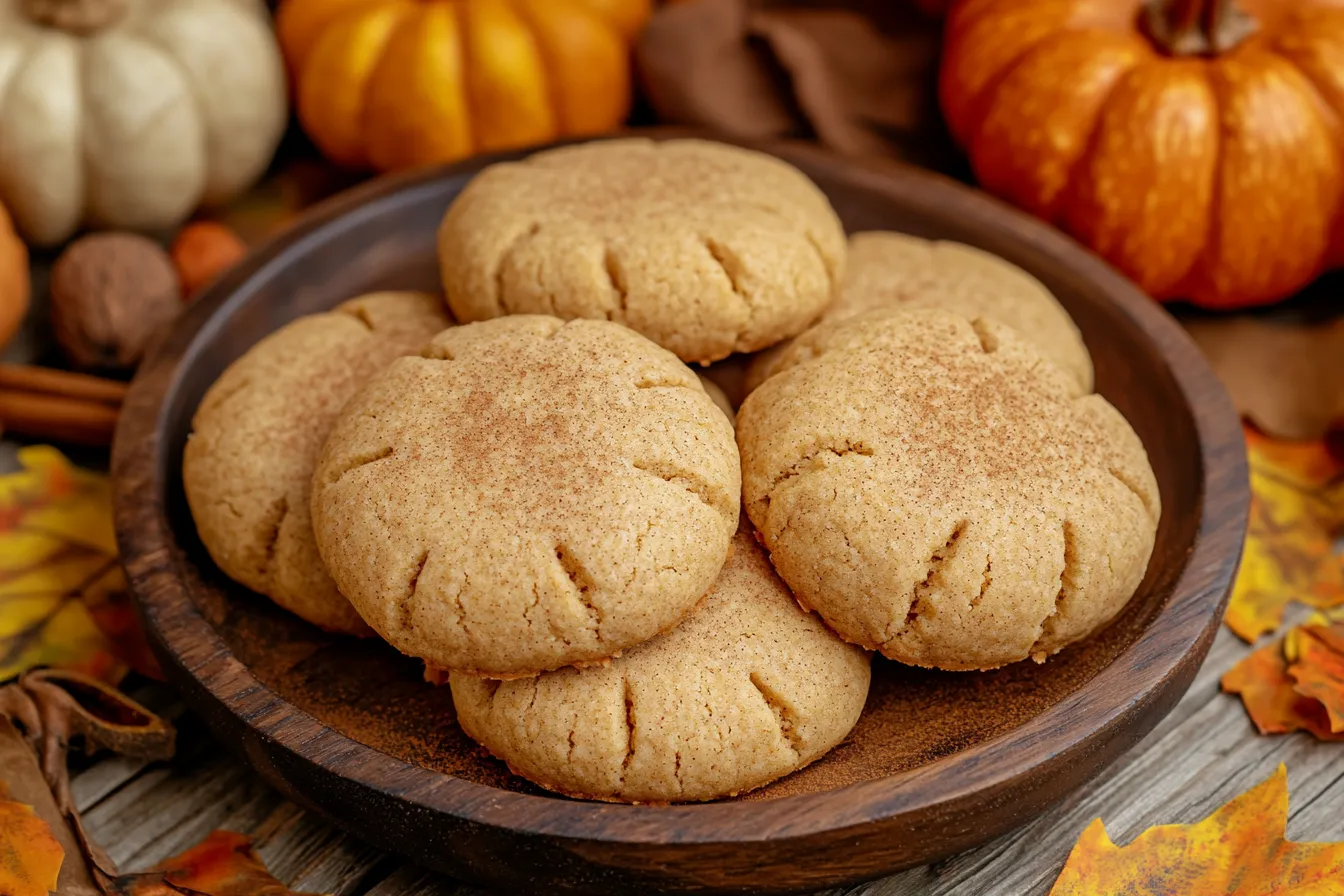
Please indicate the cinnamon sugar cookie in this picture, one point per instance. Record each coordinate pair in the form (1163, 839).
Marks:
(527, 495)
(257, 433)
(938, 492)
(704, 248)
(747, 690)
(895, 271)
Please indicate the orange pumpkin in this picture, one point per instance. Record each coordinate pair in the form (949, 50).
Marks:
(1195, 144)
(13, 279)
(397, 83)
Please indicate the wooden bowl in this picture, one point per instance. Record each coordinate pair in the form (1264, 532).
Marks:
(939, 762)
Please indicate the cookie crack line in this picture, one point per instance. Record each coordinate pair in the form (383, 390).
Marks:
(275, 519)
(845, 449)
(784, 717)
(655, 382)
(832, 274)
(1129, 483)
(731, 266)
(937, 562)
(505, 257)
(628, 695)
(357, 461)
(619, 287)
(984, 583)
(989, 343)
(583, 586)
(360, 315)
(1066, 577)
(714, 499)
(412, 584)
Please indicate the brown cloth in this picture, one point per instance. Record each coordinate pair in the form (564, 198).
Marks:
(859, 77)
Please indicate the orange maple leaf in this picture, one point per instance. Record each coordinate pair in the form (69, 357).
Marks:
(223, 864)
(1239, 849)
(1270, 696)
(1317, 669)
(30, 857)
(1297, 505)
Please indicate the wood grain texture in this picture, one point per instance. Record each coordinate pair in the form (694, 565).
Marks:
(940, 762)
(1203, 752)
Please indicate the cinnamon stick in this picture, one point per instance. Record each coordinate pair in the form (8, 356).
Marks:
(27, 378)
(43, 403)
(73, 420)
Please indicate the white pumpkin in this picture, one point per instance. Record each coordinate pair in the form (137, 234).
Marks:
(129, 114)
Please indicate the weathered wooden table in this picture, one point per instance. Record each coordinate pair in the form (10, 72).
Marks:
(1203, 754)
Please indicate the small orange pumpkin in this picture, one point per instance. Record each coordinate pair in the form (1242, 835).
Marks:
(1195, 144)
(13, 279)
(398, 83)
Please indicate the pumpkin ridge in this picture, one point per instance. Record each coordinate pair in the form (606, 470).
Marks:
(1322, 95)
(1053, 207)
(548, 61)
(1189, 283)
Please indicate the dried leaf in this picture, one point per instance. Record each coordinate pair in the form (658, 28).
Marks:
(224, 864)
(1284, 372)
(63, 597)
(1238, 849)
(30, 857)
(1317, 670)
(1289, 553)
(1272, 702)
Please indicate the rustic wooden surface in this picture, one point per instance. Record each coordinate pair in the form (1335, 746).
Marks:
(1204, 753)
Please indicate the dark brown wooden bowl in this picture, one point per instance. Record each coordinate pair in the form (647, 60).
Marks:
(940, 761)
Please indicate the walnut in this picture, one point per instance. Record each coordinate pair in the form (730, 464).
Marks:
(110, 293)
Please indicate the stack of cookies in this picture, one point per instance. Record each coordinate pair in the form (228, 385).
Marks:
(530, 490)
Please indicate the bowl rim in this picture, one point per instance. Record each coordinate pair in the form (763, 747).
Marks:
(1185, 624)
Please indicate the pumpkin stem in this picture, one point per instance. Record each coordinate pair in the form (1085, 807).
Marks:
(74, 16)
(1197, 27)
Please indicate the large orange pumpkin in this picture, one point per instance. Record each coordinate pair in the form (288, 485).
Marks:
(397, 83)
(1195, 144)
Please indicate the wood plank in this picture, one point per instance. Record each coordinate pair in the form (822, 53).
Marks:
(1202, 755)
(171, 807)
(313, 856)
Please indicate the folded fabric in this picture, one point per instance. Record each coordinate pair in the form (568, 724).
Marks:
(859, 77)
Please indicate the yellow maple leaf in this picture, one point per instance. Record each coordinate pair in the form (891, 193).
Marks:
(1239, 849)
(30, 857)
(1296, 490)
(61, 586)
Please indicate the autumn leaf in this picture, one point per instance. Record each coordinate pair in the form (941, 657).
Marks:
(30, 857)
(63, 596)
(1297, 506)
(224, 864)
(1317, 669)
(1271, 698)
(1238, 849)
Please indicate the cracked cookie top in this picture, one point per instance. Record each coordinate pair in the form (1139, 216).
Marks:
(706, 249)
(895, 271)
(747, 690)
(257, 433)
(527, 495)
(938, 492)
